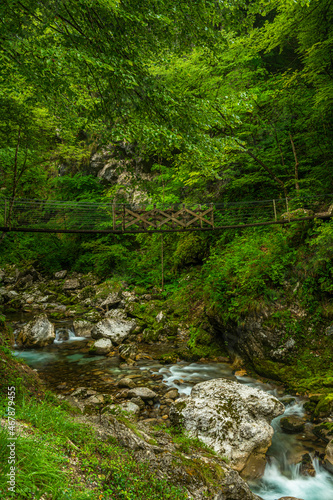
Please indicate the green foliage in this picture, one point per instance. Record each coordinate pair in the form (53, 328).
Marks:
(103, 257)
(238, 277)
(78, 187)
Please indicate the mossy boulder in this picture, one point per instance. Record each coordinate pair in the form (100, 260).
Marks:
(150, 335)
(292, 424)
(268, 369)
(324, 407)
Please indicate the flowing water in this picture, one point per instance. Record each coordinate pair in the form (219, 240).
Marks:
(67, 364)
(282, 473)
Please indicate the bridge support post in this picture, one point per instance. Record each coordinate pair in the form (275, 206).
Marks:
(113, 216)
(212, 215)
(274, 206)
(288, 213)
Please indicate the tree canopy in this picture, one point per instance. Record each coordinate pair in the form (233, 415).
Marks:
(235, 93)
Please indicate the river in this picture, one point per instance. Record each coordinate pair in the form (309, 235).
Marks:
(64, 368)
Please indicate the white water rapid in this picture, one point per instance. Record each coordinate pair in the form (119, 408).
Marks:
(71, 336)
(282, 475)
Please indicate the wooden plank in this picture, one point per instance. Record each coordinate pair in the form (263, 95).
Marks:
(171, 218)
(138, 218)
(200, 217)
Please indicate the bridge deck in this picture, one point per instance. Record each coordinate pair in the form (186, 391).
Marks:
(82, 217)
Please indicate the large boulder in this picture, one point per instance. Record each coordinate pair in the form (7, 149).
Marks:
(231, 418)
(37, 333)
(114, 329)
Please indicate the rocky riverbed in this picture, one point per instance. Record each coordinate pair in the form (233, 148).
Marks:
(118, 355)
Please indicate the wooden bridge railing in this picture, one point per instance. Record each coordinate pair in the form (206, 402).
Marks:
(83, 217)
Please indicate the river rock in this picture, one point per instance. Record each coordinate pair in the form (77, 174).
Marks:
(126, 382)
(231, 418)
(307, 468)
(165, 461)
(116, 314)
(82, 328)
(292, 424)
(12, 295)
(129, 407)
(139, 402)
(128, 351)
(102, 346)
(172, 394)
(160, 317)
(72, 284)
(142, 392)
(62, 334)
(28, 275)
(328, 459)
(37, 333)
(60, 274)
(289, 498)
(116, 330)
(111, 300)
(95, 399)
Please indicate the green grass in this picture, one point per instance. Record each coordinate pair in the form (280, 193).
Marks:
(62, 459)
(185, 443)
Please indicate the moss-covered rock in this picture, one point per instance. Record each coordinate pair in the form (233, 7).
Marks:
(324, 407)
(292, 424)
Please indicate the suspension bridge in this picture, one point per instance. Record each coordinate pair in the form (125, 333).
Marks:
(49, 216)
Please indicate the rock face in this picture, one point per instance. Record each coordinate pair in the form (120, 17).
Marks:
(115, 330)
(328, 460)
(231, 418)
(258, 337)
(37, 333)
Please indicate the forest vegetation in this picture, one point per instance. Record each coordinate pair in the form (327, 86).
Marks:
(220, 101)
(217, 102)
